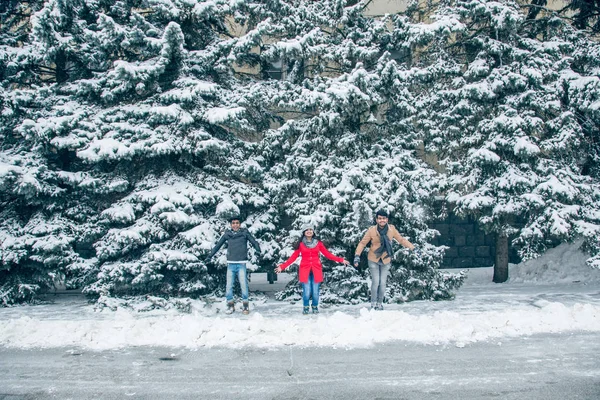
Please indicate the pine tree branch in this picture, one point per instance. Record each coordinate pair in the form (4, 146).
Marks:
(296, 112)
(44, 68)
(542, 8)
(145, 12)
(15, 14)
(247, 74)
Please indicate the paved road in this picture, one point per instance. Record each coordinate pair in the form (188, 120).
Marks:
(540, 367)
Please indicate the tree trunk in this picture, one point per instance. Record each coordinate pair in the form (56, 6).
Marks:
(61, 67)
(501, 265)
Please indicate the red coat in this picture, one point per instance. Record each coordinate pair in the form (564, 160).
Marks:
(310, 261)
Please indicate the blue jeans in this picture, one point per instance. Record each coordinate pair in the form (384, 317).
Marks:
(238, 269)
(310, 289)
(379, 274)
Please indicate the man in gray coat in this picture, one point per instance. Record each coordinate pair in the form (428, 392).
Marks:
(237, 239)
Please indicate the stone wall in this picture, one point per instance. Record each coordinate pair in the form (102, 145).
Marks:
(468, 245)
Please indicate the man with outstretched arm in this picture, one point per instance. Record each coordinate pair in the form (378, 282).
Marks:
(380, 255)
(237, 239)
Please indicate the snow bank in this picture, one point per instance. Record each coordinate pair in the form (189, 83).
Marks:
(565, 263)
(556, 293)
(347, 329)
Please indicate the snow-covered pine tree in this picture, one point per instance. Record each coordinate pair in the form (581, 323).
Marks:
(138, 131)
(118, 170)
(501, 115)
(133, 120)
(350, 147)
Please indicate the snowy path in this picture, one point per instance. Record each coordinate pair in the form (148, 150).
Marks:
(548, 367)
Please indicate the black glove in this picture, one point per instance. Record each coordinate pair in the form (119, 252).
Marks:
(356, 260)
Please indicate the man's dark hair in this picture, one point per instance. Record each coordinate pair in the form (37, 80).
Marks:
(235, 218)
(382, 213)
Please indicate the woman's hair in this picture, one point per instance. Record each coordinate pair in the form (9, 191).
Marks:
(315, 237)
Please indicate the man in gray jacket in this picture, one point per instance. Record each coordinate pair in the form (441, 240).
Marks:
(237, 239)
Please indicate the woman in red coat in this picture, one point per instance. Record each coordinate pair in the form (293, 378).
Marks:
(310, 274)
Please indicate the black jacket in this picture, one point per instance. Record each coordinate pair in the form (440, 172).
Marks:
(237, 244)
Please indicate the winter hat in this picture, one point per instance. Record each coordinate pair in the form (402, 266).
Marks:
(382, 213)
(307, 226)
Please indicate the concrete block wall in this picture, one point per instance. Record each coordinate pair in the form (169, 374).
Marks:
(469, 246)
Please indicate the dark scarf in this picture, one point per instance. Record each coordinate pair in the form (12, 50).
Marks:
(386, 244)
(313, 243)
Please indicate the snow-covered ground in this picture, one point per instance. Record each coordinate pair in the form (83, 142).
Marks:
(554, 294)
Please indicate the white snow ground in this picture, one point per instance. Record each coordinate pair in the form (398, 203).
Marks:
(554, 294)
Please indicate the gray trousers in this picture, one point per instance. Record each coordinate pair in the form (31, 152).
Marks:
(379, 274)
